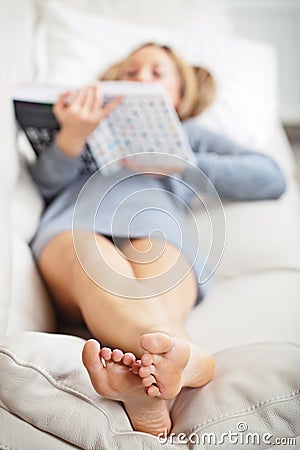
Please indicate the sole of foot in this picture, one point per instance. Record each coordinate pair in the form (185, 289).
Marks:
(169, 364)
(114, 375)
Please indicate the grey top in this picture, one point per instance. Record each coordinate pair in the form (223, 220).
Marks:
(111, 205)
(237, 173)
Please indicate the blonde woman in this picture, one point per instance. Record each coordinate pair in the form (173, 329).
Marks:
(148, 357)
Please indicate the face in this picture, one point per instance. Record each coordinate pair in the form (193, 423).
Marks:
(153, 64)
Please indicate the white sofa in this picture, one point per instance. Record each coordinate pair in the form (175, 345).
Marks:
(249, 319)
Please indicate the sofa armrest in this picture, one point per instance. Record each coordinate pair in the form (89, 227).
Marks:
(257, 385)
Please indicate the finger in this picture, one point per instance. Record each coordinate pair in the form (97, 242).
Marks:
(60, 103)
(144, 168)
(62, 99)
(155, 171)
(109, 107)
(174, 170)
(132, 165)
(126, 163)
(89, 99)
(153, 175)
(97, 98)
(79, 97)
(151, 170)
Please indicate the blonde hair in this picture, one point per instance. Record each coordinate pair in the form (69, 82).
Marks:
(198, 86)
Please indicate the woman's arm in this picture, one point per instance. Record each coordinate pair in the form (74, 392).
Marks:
(236, 172)
(53, 171)
(78, 115)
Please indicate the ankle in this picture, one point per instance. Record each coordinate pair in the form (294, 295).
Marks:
(154, 419)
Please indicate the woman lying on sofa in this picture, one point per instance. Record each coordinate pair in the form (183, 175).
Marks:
(134, 294)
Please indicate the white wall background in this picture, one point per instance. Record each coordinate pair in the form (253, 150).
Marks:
(276, 22)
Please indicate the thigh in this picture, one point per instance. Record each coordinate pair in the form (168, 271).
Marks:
(166, 270)
(64, 267)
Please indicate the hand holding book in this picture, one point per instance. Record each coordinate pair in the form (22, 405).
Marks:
(78, 116)
(88, 123)
(153, 170)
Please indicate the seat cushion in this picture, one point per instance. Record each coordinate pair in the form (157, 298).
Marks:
(248, 309)
(255, 389)
(260, 236)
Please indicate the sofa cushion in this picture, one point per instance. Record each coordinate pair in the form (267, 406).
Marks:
(29, 304)
(17, 434)
(26, 205)
(259, 236)
(9, 164)
(17, 64)
(262, 306)
(43, 381)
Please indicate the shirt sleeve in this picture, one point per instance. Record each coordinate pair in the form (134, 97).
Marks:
(236, 172)
(53, 171)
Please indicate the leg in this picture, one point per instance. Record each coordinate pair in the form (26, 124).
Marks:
(78, 297)
(75, 292)
(173, 363)
(175, 293)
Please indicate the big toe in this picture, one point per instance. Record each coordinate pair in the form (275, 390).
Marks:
(91, 357)
(156, 342)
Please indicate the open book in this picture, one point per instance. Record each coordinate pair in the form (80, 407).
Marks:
(144, 123)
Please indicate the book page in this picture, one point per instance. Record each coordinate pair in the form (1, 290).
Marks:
(145, 124)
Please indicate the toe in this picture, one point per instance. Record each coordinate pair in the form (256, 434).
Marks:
(147, 359)
(148, 381)
(91, 356)
(128, 359)
(106, 353)
(117, 355)
(91, 360)
(156, 342)
(144, 371)
(153, 391)
(136, 367)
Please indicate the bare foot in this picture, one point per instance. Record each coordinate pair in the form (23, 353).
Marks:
(114, 376)
(169, 364)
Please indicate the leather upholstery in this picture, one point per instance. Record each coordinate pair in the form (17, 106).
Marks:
(255, 385)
